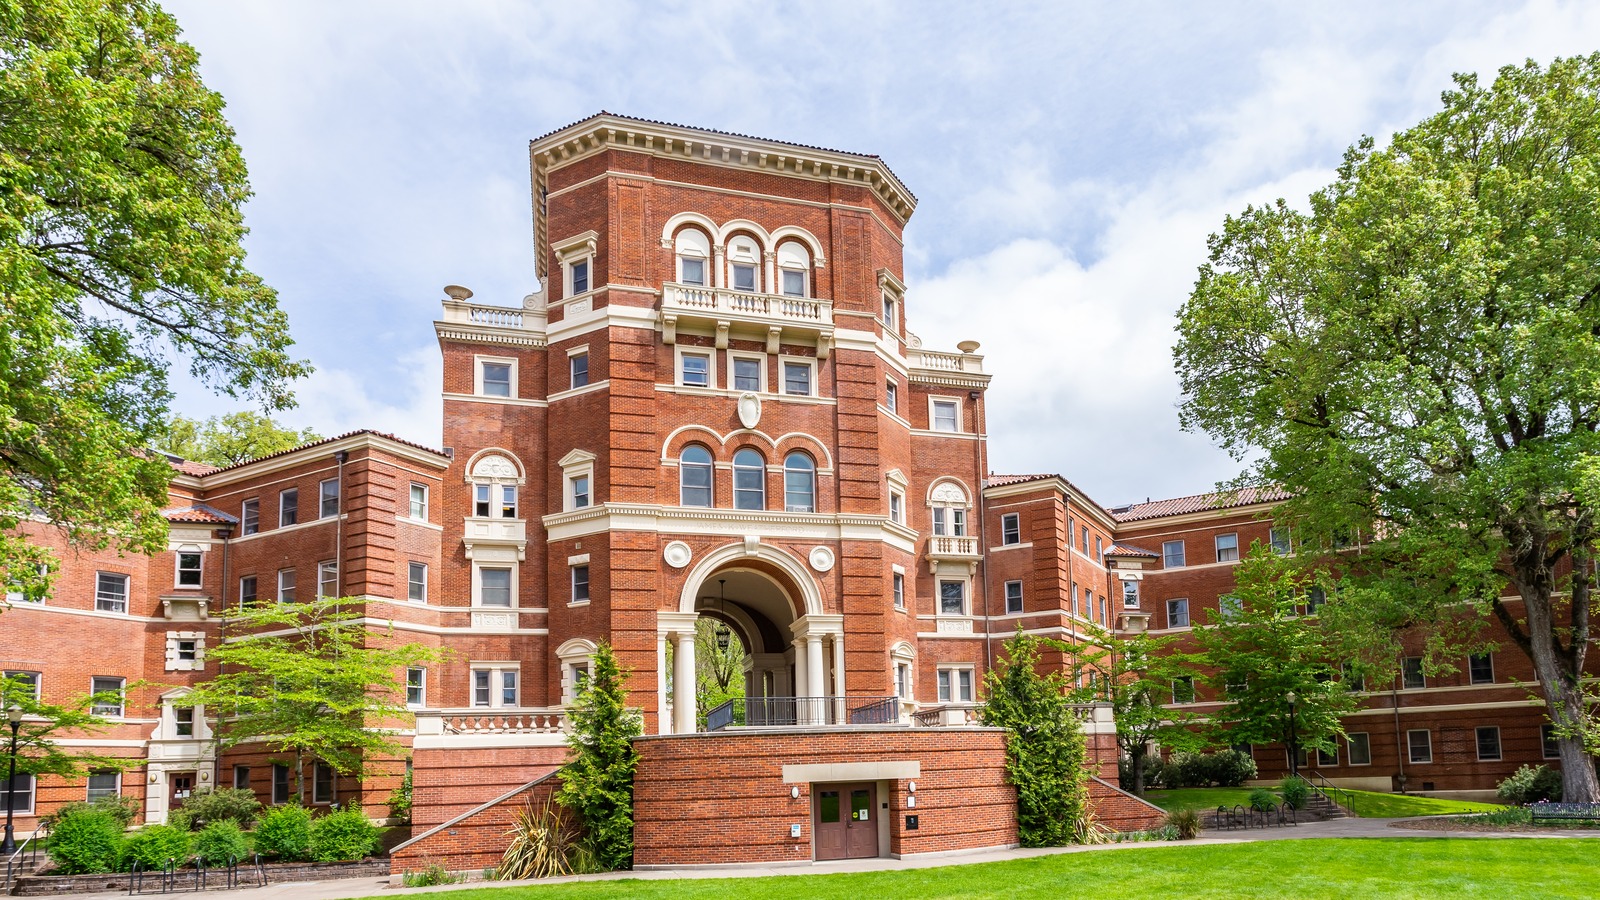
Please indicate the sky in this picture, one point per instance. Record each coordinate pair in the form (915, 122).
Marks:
(1069, 158)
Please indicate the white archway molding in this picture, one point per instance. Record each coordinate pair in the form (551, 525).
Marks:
(485, 456)
(729, 555)
(671, 448)
(734, 226)
(669, 231)
(796, 233)
(818, 448)
(949, 482)
(576, 647)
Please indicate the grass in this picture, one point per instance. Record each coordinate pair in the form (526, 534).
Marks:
(1369, 804)
(1349, 868)
(1199, 798)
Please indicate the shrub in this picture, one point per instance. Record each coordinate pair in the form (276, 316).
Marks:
(430, 876)
(544, 843)
(85, 841)
(1229, 768)
(123, 809)
(400, 801)
(343, 834)
(1296, 792)
(1263, 800)
(285, 833)
(598, 784)
(1531, 784)
(1185, 823)
(237, 805)
(221, 842)
(152, 845)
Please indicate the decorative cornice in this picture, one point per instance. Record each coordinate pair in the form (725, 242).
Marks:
(469, 334)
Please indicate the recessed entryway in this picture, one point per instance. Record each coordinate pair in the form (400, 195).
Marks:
(844, 819)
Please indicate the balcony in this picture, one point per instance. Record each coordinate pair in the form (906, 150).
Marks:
(954, 549)
(791, 712)
(725, 308)
(936, 367)
(504, 534)
(492, 727)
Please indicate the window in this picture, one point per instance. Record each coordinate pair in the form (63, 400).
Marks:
(250, 517)
(416, 686)
(494, 379)
(1101, 600)
(1281, 542)
(1099, 550)
(188, 563)
(578, 369)
(1230, 608)
(1360, 749)
(955, 685)
(328, 498)
(417, 582)
(899, 581)
(286, 580)
(694, 369)
(1227, 547)
(1083, 532)
(508, 688)
(241, 778)
(952, 598)
(1172, 554)
(799, 483)
(327, 579)
(485, 497)
(21, 791)
(891, 397)
(26, 681)
(1073, 605)
(247, 591)
(1183, 689)
(1010, 529)
(749, 480)
(1480, 668)
(1547, 738)
(797, 379)
(743, 258)
(111, 592)
(580, 584)
(108, 696)
(419, 501)
(280, 783)
(1315, 598)
(746, 373)
(891, 320)
(794, 263)
(692, 271)
(693, 248)
(580, 491)
(946, 415)
(1419, 742)
(322, 783)
(494, 586)
(288, 507)
(1177, 613)
(1302, 757)
(1326, 758)
(183, 721)
(744, 276)
(694, 476)
(950, 520)
(1488, 743)
(1354, 679)
(580, 276)
(187, 649)
(480, 687)
(902, 681)
(1013, 597)
(1130, 595)
(897, 507)
(1412, 677)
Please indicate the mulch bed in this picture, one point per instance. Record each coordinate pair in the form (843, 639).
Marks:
(1455, 823)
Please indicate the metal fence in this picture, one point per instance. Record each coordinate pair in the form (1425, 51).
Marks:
(802, 711)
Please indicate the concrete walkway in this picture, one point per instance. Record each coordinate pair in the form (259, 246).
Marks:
(348, 888)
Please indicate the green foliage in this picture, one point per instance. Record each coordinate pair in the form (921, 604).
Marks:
(1263, 800)
(151, 846)
(121, 250)
(1185, 823)
(1045, 752)
(719, 671)
(85, 841)
(598, 783)
(285, 833)
(220, 842)
(1296, 792)
(1417, 362)
(1135, 674)
(343, 834)
(123, 809)
(1511, 815)
(1226, 768)
(231, 439)
(433, 874)
(237, 805)
(317, 686)
(545, 843)
(400, 800)
(1531, 784)
(38, 752)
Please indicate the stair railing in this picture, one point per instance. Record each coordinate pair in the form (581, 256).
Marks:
(1332, 793)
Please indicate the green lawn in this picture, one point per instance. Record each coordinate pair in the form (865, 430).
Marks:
(1369, 805)
(1346, 868)
(1199, 798)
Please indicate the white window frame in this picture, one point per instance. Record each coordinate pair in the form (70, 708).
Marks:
(183, 719)
(327, 575)
(934, 402)
(678, 374)
(760, 359)
(780, 268)
(285, 497)
(573, 356)
(816, 486)
(18, 807)
(1187, 681)
(255, 590)
(889, 312)
(734, 255)
(1411, 749)
(1013, 587)
(704, 257)
(34, 677)
(1010, 529)
(1405, 677)
(809, 364)
(949, 684)
(104, 601)
(122, 690)
(1167, 554)
(891, 396)
(966, 596)
(416, 684)
(292, 586)
(323, 498)
(1350, 748)
(478, 362)
(577, 464)
(416, 591)
(1130, 594)
(1188, 621)
(574, 583)
(1234, 549)
(1323, 757)
(897, 506)
(740, 495)
(1477, 740)
(576, 658)
(897, 586)
(282, 785)
(241, 777)
(175, 651)
(580, 248)
(1230, 608)
(250, 517)
(708, 468)
(1281, 539)
(496, 676)
(477, 583)
(412, 503)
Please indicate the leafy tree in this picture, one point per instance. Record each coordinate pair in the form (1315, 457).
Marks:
(120, 230)
(1262, 652)
(719, 668)
(233, 438)
(1135, 674)
(308, 679)
(598, 783)
(1417, 361)
(1045, 752)
(44, 725)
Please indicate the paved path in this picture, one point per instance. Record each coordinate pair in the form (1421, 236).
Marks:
(347, 888)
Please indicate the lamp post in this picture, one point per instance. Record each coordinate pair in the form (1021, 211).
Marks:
(13, 716)
(1294, 740)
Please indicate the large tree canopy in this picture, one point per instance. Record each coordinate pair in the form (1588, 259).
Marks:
(232, 439)
(121, 190)
(1417, 359)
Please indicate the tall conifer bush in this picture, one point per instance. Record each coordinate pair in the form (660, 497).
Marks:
(598, 783)
(1044, 747)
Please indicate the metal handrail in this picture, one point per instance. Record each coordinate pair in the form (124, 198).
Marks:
(1332, 793)
(802, 711)
(26, 855)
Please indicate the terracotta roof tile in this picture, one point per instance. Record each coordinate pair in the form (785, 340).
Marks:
(198, 514)
(189, 466)
(1129, 550)
(1003, 480)
(1177, 506)
(348, 434)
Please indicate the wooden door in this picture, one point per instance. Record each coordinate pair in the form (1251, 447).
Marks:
(182, 787)
(828, 823)
(861, 826)
(845, 822)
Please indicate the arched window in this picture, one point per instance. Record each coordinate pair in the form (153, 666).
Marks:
(694, 254)
(494, 488)
(949, 504)
(749, 480)
(799, 483)
(744, 264)
(694, 476)
(794, 269)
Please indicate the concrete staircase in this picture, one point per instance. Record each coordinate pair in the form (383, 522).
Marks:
(1320, 807)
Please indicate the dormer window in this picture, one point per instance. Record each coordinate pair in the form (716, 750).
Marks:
(693, 249)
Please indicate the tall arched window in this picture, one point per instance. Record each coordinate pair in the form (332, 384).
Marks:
(494, 487)
(694, 256)
(949, 504)
(749, 480)
(694, 476)
(794, 269)
(744, 264)
(799, 483)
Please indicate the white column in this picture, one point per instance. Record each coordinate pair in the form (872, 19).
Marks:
(816, 675)
(663, 721)
(719, 266)
(838, 679)
(770, 270)
(800, 680)
(683, 700)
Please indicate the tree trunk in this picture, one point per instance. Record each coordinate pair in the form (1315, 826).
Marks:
(1136, 762)
(299, 779)
(1563, 692)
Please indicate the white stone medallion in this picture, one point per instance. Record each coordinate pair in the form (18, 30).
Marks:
(677, 554)
(749, 409)
(821, 559)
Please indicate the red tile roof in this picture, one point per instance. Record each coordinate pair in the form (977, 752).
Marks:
(1177, 506)
(198, 514)
(348, 434)
(1128, 550)
(1002, 480)
(189, 466)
